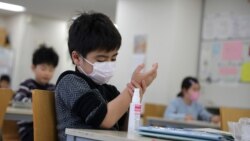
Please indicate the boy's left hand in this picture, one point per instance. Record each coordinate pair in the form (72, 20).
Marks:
(148, 76)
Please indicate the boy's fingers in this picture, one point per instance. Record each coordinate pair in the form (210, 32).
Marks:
(130, 86)
(130, 91)
(155, 66)
(153, 70)
(139, 68)
(136, 84)
(144, 86)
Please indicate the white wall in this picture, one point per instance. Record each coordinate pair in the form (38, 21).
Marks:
(2, 21)
(26, 33)
(232, 95)
(173, 28)
(16, 26)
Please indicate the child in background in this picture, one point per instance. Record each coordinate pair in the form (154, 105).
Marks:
(83, 97)
(5, 81)
(44, 62)
(4, 84)
(186, 107)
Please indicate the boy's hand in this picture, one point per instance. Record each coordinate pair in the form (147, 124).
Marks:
(148, 76)
(215, 119)
(133, 84)
(188, 118)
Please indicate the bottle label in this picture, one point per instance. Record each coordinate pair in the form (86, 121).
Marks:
(138, 108)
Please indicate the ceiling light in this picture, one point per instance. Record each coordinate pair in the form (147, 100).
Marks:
(11, 7)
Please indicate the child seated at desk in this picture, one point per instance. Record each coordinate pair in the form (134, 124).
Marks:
(44, 63)
(83, 97)
(186, 107)
(5, 81)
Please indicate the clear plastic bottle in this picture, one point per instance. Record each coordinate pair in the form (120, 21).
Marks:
(134, 112)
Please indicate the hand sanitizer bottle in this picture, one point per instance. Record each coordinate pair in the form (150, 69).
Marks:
(134, 112)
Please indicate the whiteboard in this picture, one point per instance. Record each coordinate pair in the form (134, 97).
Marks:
(225, 25)
(225, 47)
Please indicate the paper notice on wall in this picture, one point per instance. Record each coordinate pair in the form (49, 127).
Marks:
(223, 26)
(216, 49)
(232, 51)
(140, 48)
(228, 71)
(140, 44)
(243, 28)
(246, 51)
(208, 28)
(6, 61)
(205, 62)
(138, 59)
(245, 72)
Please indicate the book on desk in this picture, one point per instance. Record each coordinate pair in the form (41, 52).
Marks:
(186, 134)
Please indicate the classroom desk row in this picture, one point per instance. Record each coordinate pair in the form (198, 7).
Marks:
(154, 121)
(104, 135)
(26, 114)
(92, 135)
(18, 114)
(78, 134)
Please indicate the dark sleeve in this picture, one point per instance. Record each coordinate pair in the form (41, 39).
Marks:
(51, 87)
(24, 92)
(111, 91)
(122, 120)
(91, 107)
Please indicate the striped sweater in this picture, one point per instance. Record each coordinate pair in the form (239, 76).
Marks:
(24, 94)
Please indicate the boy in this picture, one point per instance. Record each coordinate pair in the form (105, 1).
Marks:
(5, 81)
(83, 97)
(44, 63)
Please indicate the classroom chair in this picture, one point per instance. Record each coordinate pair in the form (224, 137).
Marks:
(5, 97)
(10, 130)
(44, 115)
(232, 114)
(153, 110)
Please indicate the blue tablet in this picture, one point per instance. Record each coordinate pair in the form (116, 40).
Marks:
(179, 134)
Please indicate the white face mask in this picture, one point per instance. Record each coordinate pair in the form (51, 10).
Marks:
(102, 71)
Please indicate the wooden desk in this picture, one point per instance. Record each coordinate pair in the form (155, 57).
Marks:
(104, 135)
(18, 114)
(154, 121)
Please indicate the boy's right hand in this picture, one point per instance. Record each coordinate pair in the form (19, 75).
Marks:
(133, 84)
(148, 76)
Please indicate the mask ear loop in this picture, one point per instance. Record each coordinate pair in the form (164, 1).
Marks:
(81, 69)
(88, 61)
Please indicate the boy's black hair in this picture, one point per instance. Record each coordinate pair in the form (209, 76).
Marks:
(45, 55)
(187, 83)
(93, 31)
(5, 77)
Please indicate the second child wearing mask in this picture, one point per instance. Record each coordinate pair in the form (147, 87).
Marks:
(185, 106)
